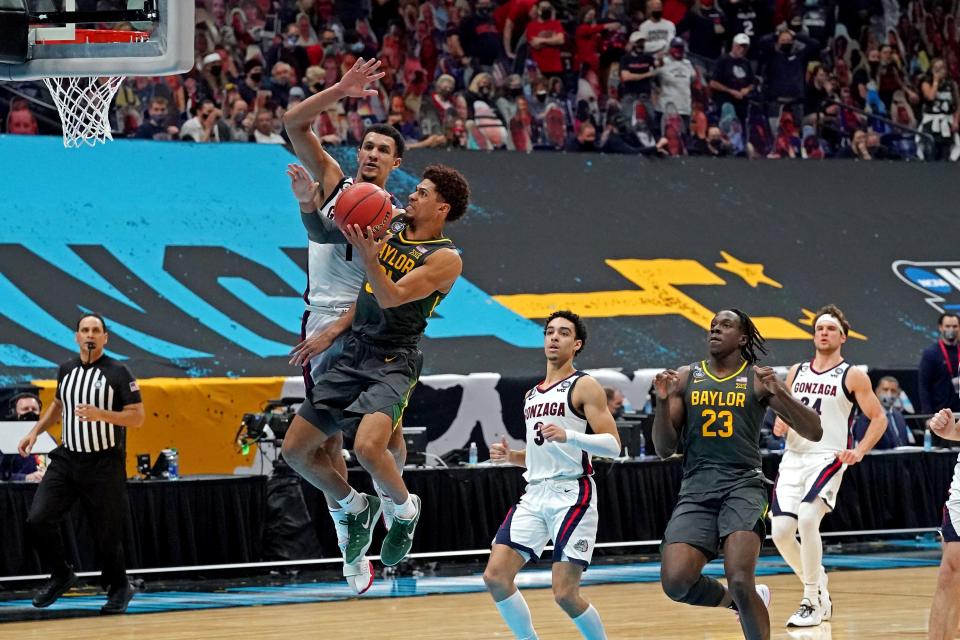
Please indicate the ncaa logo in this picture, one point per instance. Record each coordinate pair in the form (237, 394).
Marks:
(938, 281)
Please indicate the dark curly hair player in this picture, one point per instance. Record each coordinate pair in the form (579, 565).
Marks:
(407, 275)
(717, 406)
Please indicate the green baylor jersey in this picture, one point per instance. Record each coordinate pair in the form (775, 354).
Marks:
(403, 325)
(722, 431)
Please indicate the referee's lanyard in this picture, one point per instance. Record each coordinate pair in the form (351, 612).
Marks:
(954, 378)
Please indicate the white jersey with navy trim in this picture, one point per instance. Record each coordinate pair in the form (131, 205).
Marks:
(332, 280)
(554, 405)
(826, 393)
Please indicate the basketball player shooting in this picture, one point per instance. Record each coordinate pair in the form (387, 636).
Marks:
(810, 472)
(560, 502)
(333, 277)
(717, 406)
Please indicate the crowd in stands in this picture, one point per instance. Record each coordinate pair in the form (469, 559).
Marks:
(865, 79)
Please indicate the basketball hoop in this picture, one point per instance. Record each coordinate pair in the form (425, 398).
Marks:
(84, 101)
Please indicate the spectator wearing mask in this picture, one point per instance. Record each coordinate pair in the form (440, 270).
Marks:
(713, 146)
(941, 117)
(706, 25)
(657, 32)
(585, 139)
(588, 38)
(252, 80)
(545, 37)
(435, 109)
(784, 59)
(205, 125)
(733, 79)
(512, 18)
(240, 120)
(819, 88)
(614, 402)
(857, 149)
(637, 68)
(281, 80)
(14, 467)
(157, 125)
(479, 37)
(508, 104)
(676, 76)
(898, 434)
(289, 51)
(482, 116)
(938, 382)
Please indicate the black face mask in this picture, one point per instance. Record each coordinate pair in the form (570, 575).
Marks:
(656, 15)
(514, 93)
(542, 97)
(787, 48)
(874, 66)
(483, 12)
(29, 417)
(256, 77)
(216, 71)
(485, 91)
(617, 413)
(546, 14)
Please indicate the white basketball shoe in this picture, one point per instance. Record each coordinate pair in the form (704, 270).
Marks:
(826, 604)
(358, 575)
(807, 615)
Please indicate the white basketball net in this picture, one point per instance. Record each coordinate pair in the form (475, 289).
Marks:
(84, 106)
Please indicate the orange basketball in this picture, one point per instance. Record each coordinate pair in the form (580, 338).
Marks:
(364, 204)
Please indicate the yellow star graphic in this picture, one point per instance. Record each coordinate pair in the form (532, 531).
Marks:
(751, 273)
(810, 316)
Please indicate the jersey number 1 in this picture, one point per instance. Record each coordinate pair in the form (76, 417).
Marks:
(711, 416)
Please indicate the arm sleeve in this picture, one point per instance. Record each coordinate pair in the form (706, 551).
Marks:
(318, 232)
(128, 392)
(598, 444)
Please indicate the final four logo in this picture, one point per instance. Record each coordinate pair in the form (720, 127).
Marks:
(938, 281)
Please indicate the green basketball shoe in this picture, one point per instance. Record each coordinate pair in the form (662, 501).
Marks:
(360, 529)
(397, 543)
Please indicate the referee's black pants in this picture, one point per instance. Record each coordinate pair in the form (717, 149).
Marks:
(99, 481)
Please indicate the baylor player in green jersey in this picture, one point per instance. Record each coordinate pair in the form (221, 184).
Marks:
(367, 388)
(716, 407)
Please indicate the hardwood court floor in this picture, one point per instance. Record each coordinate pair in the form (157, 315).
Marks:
(889, 604)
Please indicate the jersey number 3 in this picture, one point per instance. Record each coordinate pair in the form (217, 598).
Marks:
(538, 439)
(710, 429)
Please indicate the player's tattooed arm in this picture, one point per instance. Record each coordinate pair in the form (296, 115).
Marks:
(670, 412)
(772, 392)
(501, 452)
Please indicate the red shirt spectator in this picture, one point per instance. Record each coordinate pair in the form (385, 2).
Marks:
(588, 38)
(545, 37)
(674, 10)
(517, 14)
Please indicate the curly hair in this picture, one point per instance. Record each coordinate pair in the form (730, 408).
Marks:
(834, 310)
(579, 329)
(452, 188)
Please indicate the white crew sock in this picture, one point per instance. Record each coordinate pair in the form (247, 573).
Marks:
(354, 502)
(337, 516)
(405, 510)
(811, 547)
(784, 531)
(590, 625)
(389, 506)
(516, 614)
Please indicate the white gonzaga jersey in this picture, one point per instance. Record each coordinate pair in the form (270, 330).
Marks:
(332, 281)
(554, 405)
(826, 393)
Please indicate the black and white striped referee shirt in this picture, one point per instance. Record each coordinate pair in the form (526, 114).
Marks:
(105, 384)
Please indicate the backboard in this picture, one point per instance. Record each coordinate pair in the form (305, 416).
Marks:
(59, 38)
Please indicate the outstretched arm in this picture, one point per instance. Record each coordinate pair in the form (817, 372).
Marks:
(772, 392)
(670, 412)
(297, 121)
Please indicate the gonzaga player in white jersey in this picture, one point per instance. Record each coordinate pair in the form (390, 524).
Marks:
(560, 502)
(810, 472)
(945, 610)
(334, 279)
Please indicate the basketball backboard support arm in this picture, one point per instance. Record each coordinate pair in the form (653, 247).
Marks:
(168, 51)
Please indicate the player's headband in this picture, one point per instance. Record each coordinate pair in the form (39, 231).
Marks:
(828, 318)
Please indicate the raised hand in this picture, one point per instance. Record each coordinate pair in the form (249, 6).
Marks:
(363, 243)
(770, 380)
(354, 82)
(666, 383)
(500, 451)
(302, 184)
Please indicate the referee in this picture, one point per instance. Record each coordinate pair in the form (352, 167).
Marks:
(95, 395)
